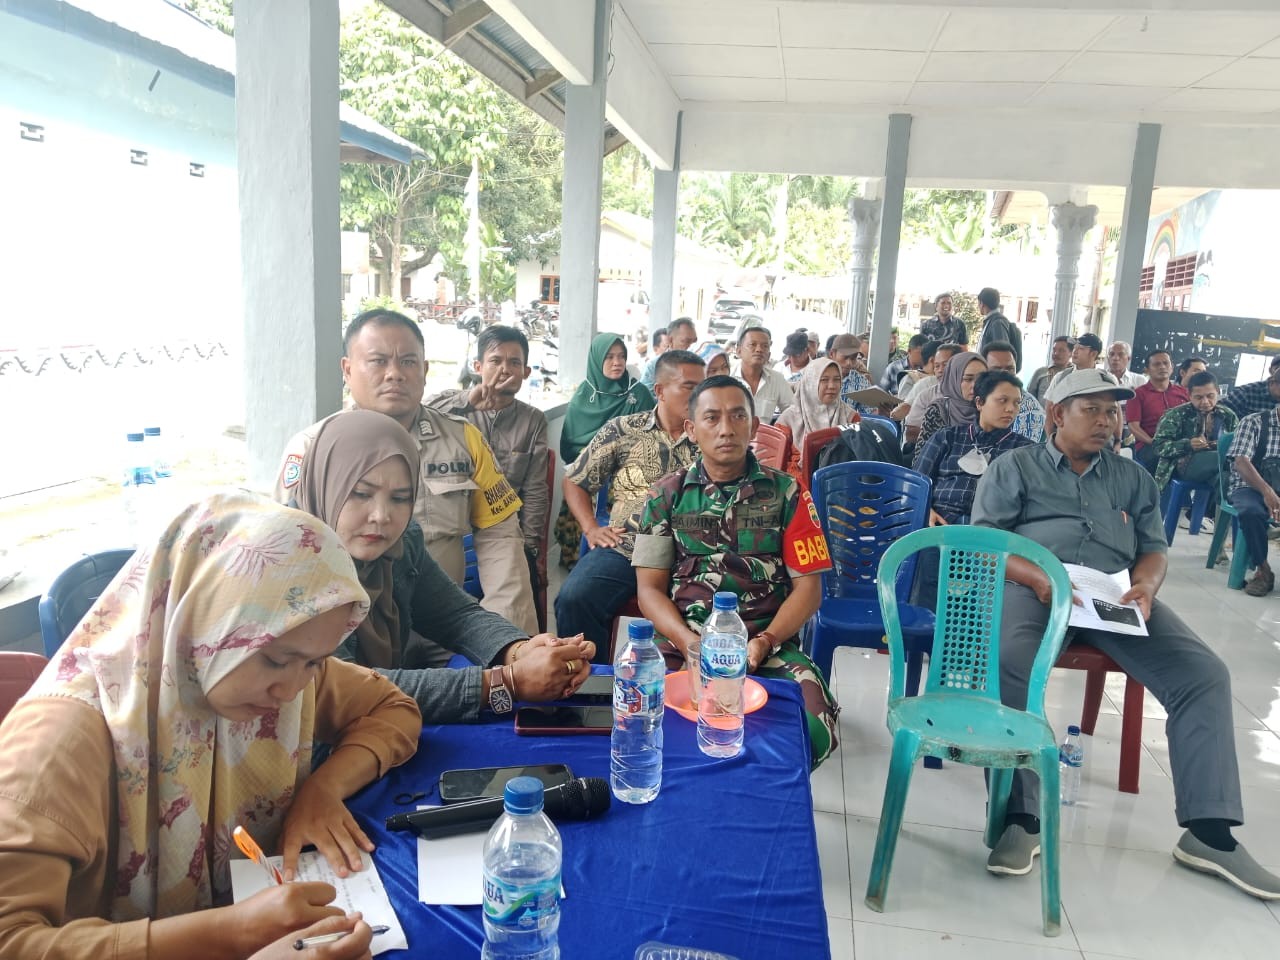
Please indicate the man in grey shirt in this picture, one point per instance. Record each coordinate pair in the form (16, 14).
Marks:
(1099, 510)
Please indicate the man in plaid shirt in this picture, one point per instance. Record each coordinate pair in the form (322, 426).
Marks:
(1255, 475)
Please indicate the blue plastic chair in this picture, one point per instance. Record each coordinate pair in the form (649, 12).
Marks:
(471, 571)
(73, 592)
(602, 518)
(1175, 497)
(864, 507)
(885, 422)
(959, 716)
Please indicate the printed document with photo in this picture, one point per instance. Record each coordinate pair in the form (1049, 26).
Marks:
(1100, 607)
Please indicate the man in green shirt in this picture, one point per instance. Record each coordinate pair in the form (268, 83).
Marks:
(727, 523)
(1091, 507)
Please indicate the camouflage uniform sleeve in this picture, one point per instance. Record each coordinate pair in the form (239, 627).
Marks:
(655, 545)
(804, 548)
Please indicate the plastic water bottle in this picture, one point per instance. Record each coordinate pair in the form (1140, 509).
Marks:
(1070, 763)
(522, 857)
(138, 485)
(635, 763)
(157, 450)
(724, 673)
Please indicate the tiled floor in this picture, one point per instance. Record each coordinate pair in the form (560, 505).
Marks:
(1122, 893)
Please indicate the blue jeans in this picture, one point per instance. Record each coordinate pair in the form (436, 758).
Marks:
(599, 584)
(1253, 522)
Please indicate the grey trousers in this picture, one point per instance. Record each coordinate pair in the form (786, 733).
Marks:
(1186, 677)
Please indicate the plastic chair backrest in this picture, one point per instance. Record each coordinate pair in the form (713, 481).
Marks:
(864, 507)
(471, 568)
(1224, 468)
(813, 443)
(18, 671)
(886, 422)
(966, 637)
(73, 592)
(602, 516)
(771, 446)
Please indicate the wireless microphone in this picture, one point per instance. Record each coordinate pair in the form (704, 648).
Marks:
(580, 799)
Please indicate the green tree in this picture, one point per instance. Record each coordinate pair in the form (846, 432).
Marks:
(521, 195)
(819, 240)
(395, 74)
(731, 212)
(628, 182)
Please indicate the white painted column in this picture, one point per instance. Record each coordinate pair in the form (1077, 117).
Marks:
(1072, 222)
(1133, 231)
(580, 218)
(895, 182)
(666, 208)
(287, 155)
(864, 214)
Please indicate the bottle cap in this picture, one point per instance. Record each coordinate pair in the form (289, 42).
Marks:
(522, 795)
(133, 437)
(726, 601)
(1073, 731)
(640, 630)
(152, 431)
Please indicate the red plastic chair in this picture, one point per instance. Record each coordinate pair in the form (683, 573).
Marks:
(1081, 656)
(540, 595)
(814, 441)
(18, 671)
(772, 446)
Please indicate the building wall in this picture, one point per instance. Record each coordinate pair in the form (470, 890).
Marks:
(119, 297)
(1225, 240)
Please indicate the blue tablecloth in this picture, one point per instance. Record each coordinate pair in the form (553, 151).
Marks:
(724, 859)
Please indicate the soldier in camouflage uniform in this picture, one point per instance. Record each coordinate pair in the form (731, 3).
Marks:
(728, 523)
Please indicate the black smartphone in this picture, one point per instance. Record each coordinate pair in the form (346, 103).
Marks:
(563, 721)
(482, 783)
(596, 690)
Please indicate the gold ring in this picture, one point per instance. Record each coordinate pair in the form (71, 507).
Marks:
(571, 666)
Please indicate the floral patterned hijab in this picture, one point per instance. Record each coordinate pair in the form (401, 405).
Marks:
(228, 576)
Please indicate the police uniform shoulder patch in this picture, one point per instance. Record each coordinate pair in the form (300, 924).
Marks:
(292, 472)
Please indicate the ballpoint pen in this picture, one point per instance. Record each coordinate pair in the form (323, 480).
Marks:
(303, 942)
(254, 852)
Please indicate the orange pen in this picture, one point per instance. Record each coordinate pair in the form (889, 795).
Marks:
(254, 852)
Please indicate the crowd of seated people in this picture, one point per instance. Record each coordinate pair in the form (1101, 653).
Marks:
(117, 841)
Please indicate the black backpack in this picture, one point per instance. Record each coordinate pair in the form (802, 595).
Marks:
(863, 441)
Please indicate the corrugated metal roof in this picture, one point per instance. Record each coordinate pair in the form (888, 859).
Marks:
(158, 31)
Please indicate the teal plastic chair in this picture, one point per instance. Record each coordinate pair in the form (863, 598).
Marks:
(959, 715)
(1239, 552)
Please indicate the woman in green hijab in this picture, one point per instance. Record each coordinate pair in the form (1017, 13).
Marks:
(608, 391)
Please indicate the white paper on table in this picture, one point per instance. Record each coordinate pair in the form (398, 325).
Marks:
(361, 891)
(1100, 607)
(451, 869)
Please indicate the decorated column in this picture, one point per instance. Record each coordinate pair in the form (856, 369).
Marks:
(1072, 223)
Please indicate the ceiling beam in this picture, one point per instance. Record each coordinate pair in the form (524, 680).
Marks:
(463, 19)
(614, 141)
(542, 80)
(472, 48)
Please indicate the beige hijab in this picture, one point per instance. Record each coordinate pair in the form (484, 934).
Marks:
(810, 413)
(228, 576)
(347, 447)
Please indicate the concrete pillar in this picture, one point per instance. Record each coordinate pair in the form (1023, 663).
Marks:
(895, 182)
(580, 217)
(864, 214)
(666, 208)
(287, 156)
(1072, 223)
(1133, 231)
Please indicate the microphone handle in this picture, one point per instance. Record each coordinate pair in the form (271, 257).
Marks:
(475, 815)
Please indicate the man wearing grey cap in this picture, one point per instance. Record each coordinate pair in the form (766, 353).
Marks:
(1093, 508)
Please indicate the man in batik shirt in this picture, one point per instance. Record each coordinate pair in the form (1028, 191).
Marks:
(728, 523)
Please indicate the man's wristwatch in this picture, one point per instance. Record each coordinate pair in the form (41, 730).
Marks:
(499, 695)
(774, 643)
